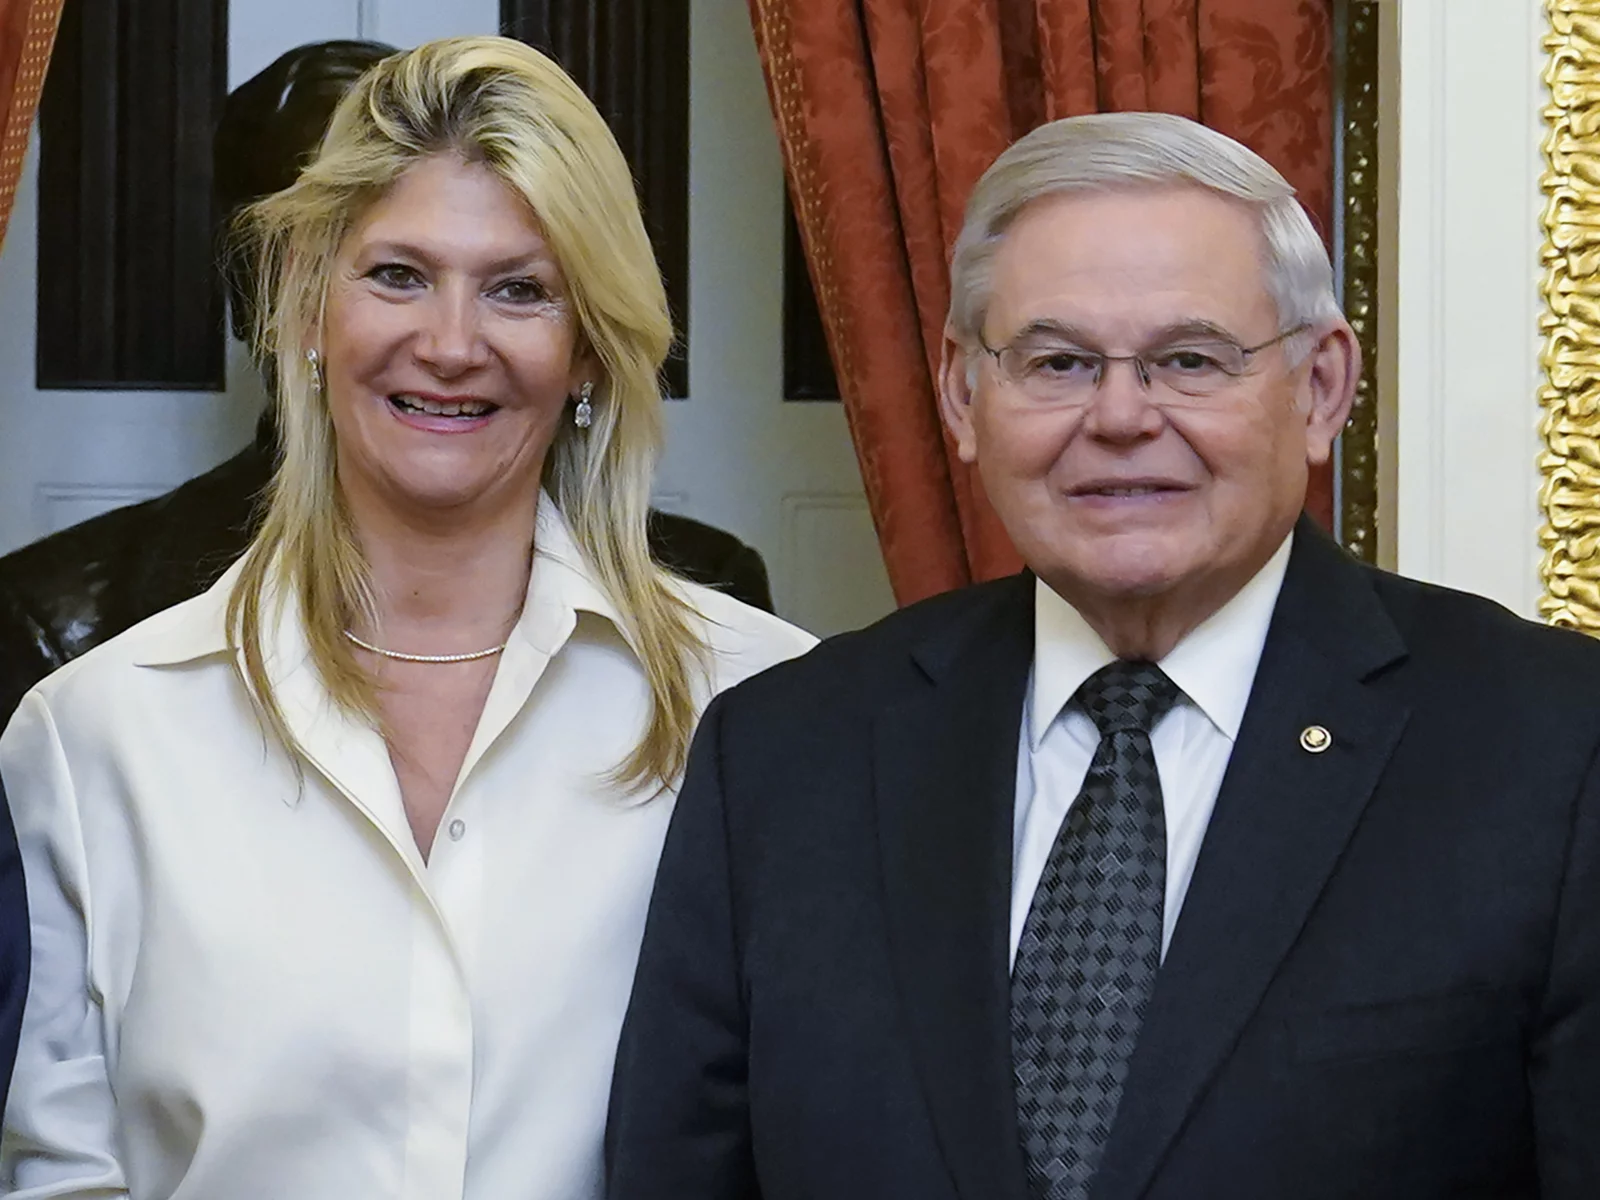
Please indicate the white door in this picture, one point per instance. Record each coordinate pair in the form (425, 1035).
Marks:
(783, 476)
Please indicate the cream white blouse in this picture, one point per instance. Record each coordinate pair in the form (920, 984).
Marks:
(248, 985)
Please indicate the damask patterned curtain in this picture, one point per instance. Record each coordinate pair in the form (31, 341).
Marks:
(889, 110)
(27, 31)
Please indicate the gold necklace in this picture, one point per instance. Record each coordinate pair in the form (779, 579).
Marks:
(401, 656)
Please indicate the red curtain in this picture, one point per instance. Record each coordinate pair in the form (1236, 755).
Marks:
(27, 30)
(889, 110)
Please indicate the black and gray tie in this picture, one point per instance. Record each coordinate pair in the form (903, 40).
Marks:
(1090, 948)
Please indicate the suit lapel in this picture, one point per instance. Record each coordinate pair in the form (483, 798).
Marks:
(945, 775)
(1282, 819)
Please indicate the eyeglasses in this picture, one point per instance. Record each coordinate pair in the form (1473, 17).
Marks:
(1054, 371)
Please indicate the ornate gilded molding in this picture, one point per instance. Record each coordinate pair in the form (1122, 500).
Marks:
(1358, 455)
(1569, 396)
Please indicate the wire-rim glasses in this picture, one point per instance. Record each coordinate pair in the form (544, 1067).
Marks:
(1049, 368)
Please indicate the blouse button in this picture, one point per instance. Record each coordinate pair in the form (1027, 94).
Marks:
(458, 829)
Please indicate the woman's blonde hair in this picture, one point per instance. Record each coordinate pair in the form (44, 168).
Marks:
(499, 103)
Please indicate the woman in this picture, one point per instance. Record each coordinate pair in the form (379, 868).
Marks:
(338, 872)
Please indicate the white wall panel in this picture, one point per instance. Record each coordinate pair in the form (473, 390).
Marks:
(736, 449)
(831, 566)
(1467, 302)
(407, 23)
(259, 31)
(63, 440)
(59, 505)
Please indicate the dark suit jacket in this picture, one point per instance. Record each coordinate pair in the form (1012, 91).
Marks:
(14, 945)
(1384, 984)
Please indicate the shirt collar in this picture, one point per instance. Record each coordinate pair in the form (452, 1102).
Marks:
(1215, 665)
(562, 582)
(188, 631)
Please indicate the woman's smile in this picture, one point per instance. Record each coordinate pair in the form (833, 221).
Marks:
(442, 414)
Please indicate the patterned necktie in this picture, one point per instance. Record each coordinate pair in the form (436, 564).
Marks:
(1091, 945)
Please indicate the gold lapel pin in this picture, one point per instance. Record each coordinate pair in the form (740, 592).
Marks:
(1314, 739)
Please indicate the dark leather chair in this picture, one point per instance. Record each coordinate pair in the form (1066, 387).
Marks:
(70, 591)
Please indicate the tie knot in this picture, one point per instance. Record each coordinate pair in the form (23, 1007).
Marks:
(1127, 695)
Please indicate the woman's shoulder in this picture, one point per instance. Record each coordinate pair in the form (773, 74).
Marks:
(742, 639)
(111, 673)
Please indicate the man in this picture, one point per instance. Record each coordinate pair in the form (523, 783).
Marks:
(1200, 863)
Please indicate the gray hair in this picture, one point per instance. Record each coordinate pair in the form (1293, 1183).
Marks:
(1140, 149)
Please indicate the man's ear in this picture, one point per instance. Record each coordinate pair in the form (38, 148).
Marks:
(955, 396)
(1329, 389)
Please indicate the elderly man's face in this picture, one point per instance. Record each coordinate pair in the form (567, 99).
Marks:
(1132, 490)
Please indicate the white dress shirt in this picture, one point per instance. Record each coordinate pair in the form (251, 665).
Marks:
(248, 985)
(1215, 666)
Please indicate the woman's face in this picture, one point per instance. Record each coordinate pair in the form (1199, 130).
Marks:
(448, 347)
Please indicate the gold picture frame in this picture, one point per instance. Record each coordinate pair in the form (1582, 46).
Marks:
(1357, 33)
(1569, 394)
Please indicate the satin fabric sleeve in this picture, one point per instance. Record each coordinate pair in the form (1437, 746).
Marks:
(60, 1121)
